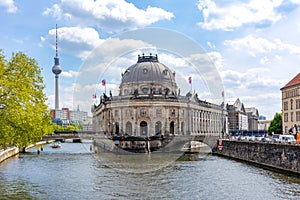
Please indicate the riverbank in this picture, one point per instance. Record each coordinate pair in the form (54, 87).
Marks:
(7, 153)
(282, 158)
(12, 151)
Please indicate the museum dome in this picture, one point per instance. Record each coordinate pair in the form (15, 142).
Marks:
(148, 70)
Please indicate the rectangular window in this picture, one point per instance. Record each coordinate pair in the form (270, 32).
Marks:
(286, 118)
(172, 112)
(292, 116)
(158, 112)
(143, 112)
(285, 105)
(116, 113)
(298, 116)
(128, 113)
(298, 104)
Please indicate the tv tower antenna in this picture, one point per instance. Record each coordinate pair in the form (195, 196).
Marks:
(56, 69)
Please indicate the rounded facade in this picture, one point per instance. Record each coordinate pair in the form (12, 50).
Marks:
(149, 104)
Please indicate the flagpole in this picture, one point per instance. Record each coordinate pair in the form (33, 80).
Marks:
(104, 84)
(190, 82)
(223, 105)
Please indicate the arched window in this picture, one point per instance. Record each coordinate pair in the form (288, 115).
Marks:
(158, 127)
(143, 128)
(128, 128)
(286, 129)
(117, 129)
(182, 128)
(172, 127)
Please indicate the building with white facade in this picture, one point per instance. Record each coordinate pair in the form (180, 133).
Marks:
(237, 117)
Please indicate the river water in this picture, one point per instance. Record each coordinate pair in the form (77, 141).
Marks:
(74, 172)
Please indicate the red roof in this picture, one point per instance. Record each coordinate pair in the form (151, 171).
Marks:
(294, 81)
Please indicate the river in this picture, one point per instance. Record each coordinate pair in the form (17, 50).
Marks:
(74, 172)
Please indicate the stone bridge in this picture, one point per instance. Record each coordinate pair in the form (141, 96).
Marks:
(78, 136)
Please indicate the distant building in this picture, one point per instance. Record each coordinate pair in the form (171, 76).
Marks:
(263, 124)
(261, 117)
(63, 114)
(237, 117)
(67, 114)
(77, 115)
(291, 105)
(65, 117)
(87, 125)
(253, 115)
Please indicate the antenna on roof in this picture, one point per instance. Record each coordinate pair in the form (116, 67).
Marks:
(56, 44)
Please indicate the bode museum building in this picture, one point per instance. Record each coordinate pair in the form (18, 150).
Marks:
(149, 104)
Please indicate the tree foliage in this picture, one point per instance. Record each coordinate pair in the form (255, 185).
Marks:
(24, 116)
(276, 124)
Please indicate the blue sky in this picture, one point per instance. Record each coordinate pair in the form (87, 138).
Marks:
(255, 45)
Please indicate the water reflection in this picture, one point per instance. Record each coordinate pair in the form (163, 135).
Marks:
(73, 172)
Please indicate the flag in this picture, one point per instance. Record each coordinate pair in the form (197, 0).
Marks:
(190, 80)
(94, 96)
(223, 94)
(103, 82)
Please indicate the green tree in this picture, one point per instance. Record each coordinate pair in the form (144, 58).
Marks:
(24, 115)
(71, 128)
(276, 124)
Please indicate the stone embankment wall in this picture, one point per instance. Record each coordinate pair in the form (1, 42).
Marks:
(284, 157)
(4, 154)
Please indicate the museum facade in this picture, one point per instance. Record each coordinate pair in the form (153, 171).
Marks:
(149, 103)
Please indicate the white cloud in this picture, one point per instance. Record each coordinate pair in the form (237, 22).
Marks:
(254, 87)
(74, 40)
(252, 78)
(216, 58)
(258, 45)
(295, 1)
(112, 15)
(57, 12)
(10, 5)
(229, 16)
(69, 74)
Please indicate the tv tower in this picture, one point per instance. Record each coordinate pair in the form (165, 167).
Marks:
(56, 69)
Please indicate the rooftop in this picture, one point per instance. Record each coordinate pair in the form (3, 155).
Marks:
(294, 81)
(149, 58)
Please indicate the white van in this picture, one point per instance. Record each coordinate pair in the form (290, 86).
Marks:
(290, 139)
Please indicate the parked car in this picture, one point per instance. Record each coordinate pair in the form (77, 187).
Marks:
(275, 138)
(290, 139)
(258, 139)
(266, 139)
(252, 138)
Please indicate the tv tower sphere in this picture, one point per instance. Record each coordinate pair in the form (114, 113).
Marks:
(56, 69)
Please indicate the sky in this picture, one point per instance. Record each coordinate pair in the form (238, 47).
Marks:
(254, 45)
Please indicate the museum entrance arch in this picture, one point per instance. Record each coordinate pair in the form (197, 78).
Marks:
(158, 127)
(128, 128)
(172, 127)
(143, 128)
